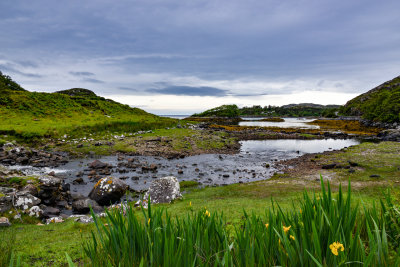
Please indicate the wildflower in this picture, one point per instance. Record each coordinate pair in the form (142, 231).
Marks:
(335, 246)
(266, 225)
(286, 229)
(148, 222)
(301, 211)
(207, 213)
(292, 237)
(190, 204)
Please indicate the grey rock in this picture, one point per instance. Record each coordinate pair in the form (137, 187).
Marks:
(83, 206)
(35, 211)
(162, 190)
(50, 212)
(97, 164)
(24, 200)
(108, 190)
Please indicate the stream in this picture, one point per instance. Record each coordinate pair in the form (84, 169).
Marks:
(207, 169)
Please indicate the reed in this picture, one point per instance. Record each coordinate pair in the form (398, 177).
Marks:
(320, 230)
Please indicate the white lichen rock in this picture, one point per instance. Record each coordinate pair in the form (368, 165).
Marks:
(162, 190)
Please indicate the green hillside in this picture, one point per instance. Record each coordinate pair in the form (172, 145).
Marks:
(379, 104)
(73, 112)
(229, 111)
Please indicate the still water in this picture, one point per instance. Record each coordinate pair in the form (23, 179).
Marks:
(288, 123)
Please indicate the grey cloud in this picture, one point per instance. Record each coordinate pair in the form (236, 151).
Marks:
(8, 68)
(127, 89)
(91, 80)
(190, 91)
(81, 73)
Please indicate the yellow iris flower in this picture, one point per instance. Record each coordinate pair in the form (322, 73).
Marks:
(335, 247)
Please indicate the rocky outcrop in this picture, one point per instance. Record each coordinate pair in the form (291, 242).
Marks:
(162, 190)
(390, 135)
(108, 190)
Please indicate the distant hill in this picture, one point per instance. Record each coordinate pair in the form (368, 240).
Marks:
(310, 105)
(229, 111)
(292, 110)
(381, 103)
(75, 111)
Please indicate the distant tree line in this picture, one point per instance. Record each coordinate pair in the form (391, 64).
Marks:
(271, 111)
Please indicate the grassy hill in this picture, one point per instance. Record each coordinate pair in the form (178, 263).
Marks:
(229, 111)
(74, 112)
(379, 104)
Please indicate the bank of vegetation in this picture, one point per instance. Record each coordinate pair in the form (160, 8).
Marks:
(293, 110)
(75, 112)
(379, 104)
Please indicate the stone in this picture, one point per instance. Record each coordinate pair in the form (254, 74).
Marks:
(82, 218)
(57, 219)
(352, 163)
(31, 189)
(108, 190)
(6, 198)
(35, 211)
(329, 166)
(162, 190)
(83, 206)
(78, 180)
(375, 176)
(50, 212)
(4, 222)
(97, 164)
(24, 200)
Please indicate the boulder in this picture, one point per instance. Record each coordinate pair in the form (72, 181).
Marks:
(97, 164)
(24, 200)
(50, 189)
(162, 190)
(108, 190)
(6, 197)
(83, 206)
(50, 212)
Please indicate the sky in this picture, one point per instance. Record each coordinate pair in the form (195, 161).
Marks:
(181, 57)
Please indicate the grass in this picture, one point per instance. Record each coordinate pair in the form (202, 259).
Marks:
(180, 140)
(322, 230)
(46, 245)
(30, 115)
(372, 158)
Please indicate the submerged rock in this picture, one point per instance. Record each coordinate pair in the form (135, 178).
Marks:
(162, 190)
(108, 190)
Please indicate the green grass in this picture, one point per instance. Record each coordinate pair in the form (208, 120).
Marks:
(180, 140)
(372, 158)
(29, 115)
(304, 236)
